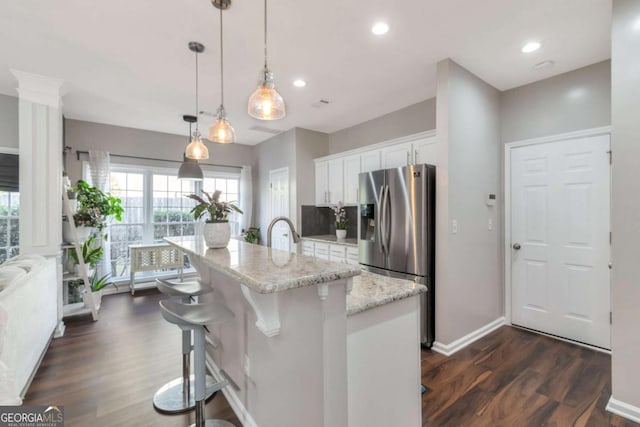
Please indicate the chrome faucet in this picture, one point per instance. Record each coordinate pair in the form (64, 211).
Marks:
(294, 234)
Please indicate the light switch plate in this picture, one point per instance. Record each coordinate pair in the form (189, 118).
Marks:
(454, 226)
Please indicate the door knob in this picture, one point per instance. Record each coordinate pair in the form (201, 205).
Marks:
(516, 246)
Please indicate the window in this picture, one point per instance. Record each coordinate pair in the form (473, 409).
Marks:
(230, 193)
(129, 187)
(155, 207)
(171, 207)
(9, 223)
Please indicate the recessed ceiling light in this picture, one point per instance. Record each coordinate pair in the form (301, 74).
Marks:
(530, 47)
(380, 28)
(299, 83)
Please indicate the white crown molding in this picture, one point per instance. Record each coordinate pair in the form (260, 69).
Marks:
(39, 89)
(623, 409)
(459, 344)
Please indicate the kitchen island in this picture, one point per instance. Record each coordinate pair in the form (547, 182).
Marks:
(312, 342)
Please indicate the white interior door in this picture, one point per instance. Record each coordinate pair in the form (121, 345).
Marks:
(279, 187)
(560, 206)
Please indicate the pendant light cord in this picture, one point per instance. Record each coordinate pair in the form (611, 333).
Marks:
(265, 35)
(197, 127)
(221, 64)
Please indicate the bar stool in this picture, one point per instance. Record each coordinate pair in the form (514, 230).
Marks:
(195, 317)
(177, 395)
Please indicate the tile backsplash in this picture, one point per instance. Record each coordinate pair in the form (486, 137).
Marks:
(317, 221)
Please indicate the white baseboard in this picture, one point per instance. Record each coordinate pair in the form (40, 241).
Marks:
(623, 409)
(232, 397)
(449, 349)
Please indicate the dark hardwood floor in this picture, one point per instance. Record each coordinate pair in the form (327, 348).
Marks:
(105, 374)
(514, 377)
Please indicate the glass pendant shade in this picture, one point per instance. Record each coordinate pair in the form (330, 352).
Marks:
(221, 131)
(266, 103)
(196, 149)
(190, 170)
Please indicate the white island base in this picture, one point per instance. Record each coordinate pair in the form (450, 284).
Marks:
(299, 352)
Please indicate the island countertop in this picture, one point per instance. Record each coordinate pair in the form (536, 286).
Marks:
(374, 290)
(265, 270)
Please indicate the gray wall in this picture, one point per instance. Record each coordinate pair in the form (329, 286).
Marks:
(309, 145)
(625, 140)
(468, 272)
(415, 118)
(579, 99)
(8, 121)
(84, 136)
(274, 153)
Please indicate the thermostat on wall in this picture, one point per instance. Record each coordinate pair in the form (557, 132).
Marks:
(491, 199)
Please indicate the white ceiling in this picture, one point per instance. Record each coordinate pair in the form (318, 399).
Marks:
(127, 63)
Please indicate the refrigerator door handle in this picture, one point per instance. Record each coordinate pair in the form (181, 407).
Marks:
(387, 219)
(380, 220)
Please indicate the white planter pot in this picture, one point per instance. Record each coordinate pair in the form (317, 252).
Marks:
(341, 234)
(83, 232)
(97, 298)
(90, 271)
(217, 234)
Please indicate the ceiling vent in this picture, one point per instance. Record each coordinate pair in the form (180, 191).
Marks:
(265, 129)
(320, 103)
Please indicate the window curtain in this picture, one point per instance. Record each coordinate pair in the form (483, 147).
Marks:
(99, 165)
(246, 198)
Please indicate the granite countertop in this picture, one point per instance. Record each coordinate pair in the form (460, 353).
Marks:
(331, 238)
(263, 269)
(373, 290)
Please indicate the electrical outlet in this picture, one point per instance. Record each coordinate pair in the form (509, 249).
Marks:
(247, 366)
(454, 226)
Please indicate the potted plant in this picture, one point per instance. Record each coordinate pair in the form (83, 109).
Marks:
(251, 235)
(91, 254)
(216, 229)
(97, 287)
(94, 209)
(341, 220)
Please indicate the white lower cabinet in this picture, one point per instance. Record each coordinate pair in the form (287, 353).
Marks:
(353, 256)
(331, 252)
(307, 248)
(321, 250)
(338, 253)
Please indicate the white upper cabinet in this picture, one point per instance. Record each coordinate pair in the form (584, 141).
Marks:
(425, 151)
(351, 172)
(337, 175)
(396, 156)
(336, 181)
(322, 183)
(329, 182)
(370, 161)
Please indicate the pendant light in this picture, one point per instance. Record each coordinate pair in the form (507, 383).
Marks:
(196, 149)
(221, 131)
(190, 169)
(266, 103)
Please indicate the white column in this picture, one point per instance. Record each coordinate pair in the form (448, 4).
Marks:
(40, 136)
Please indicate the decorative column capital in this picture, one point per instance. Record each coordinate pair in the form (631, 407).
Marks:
(39, 89)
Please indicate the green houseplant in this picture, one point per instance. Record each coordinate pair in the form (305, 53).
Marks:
(341, 220)
(251, 235)
(216, 229)
(91, 253)
(96, 207)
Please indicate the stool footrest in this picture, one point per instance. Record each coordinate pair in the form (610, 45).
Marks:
(216, 387)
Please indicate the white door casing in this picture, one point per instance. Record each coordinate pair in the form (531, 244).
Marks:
(279, 189)
(559, 216)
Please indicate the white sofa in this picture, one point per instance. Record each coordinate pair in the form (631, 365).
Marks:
(28, 317)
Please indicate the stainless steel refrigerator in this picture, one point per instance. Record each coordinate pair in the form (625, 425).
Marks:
(396, 230)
